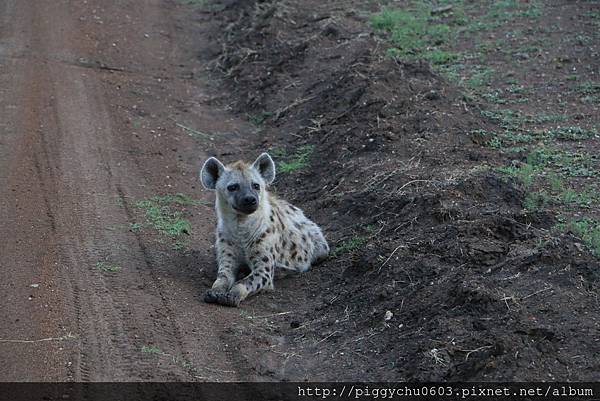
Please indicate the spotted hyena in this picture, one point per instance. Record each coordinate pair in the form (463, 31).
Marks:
(256, 229)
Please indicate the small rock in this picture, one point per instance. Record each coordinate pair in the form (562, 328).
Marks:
(34, 285)
(388, 316)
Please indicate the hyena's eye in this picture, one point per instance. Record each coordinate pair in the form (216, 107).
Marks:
(233, 187)
(256, 186)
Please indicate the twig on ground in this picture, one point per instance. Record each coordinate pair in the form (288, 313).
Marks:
(535, 293)
(295, 103)
(389, 257)
(267, 316)
(69, 336)
(471, 351)
(323, 339)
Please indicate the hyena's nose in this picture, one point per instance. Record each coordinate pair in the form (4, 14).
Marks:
(249, 200)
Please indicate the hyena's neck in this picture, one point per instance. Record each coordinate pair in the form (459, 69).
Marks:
(242, 228)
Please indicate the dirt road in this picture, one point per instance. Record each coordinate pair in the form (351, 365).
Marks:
(93, 101)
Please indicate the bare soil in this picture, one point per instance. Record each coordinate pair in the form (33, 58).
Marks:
(439, 272)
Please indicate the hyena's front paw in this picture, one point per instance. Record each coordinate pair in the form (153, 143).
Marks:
(222, 297)
(232, 298)
(213, 295)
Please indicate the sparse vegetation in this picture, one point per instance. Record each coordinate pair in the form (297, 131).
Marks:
(288, 163)
(349, 245)
(151, 349)
(449, 229)
(571, 133)
(412, 34)
(163, 213)
(106, 266)
(416, 33)
(589, 231)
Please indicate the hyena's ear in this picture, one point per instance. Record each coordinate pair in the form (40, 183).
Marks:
(265, 167)
(210, 173)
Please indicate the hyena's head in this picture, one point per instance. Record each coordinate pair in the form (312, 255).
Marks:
(240, 185)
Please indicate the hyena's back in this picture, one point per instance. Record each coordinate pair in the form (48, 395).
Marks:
(299, 242)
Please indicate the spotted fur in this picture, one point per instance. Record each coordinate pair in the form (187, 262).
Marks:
(266, 235)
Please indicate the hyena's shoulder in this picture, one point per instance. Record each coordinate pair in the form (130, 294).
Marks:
(285, 210)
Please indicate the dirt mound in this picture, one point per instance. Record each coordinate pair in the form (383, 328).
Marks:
(437, 270)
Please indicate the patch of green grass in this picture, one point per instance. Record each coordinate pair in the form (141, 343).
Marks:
(591, 99)
(589, 231)
(500, 12)
(515, 137)
(151, 349)
(487, 47)
(477, 25)
(414, 34)
(556, 183)
(508, 119)
(572, 133)
(546, 167)
(583, 40)
(107, 266)
(498, 96)
(135, 227)
(523, 172)
(592, 14)
(574, 164)
(161, 215)
(505, 10)
(297, 161)
(516, 88)
(588, 88)
(480, 77)
(565, 195)
(550, 159)
(437, 56)
(580, 198)
(453, 72)
(495, 96)
(590, 92)
(513, 120)
(495, 143)
(349, 245)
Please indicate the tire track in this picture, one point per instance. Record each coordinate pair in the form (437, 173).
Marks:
(68, 170)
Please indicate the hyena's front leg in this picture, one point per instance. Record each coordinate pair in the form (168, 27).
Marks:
(261, 278)
(226, 272)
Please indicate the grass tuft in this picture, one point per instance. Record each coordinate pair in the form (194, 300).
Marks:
(349, 245)
(162, 213)
(107, 267)
(298, 161)
(589, 231)
(151, 349)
